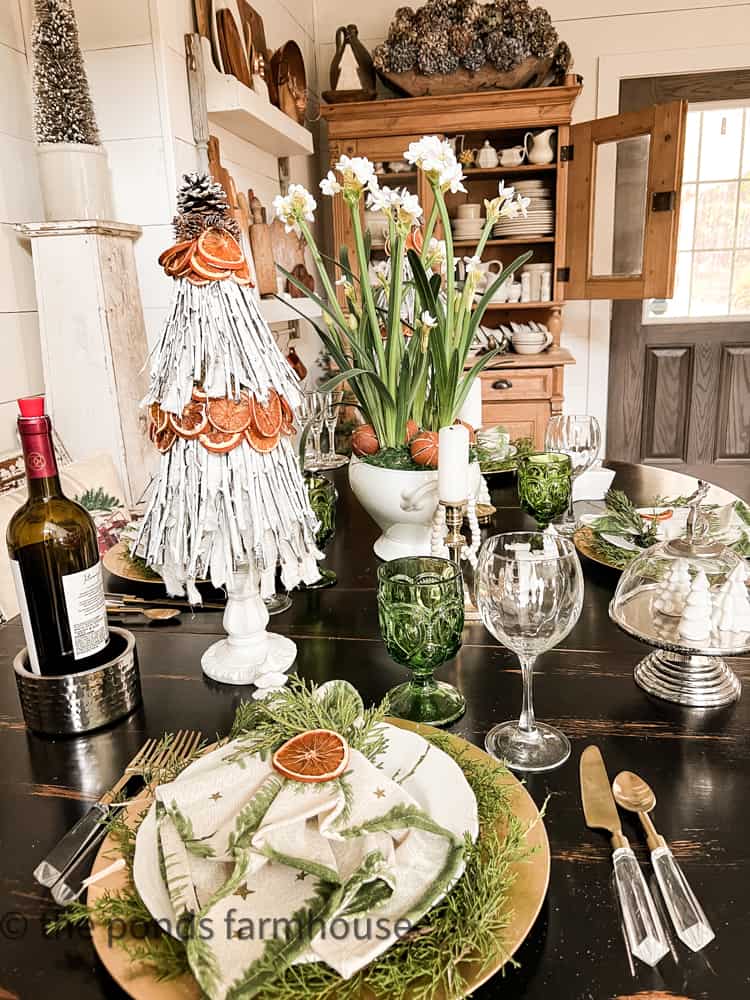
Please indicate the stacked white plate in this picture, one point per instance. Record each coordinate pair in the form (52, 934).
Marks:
(540, 218)
(468, 229)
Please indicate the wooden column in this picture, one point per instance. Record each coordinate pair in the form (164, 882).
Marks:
(93, 341)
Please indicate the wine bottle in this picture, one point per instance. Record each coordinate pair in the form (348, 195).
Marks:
(54, 558)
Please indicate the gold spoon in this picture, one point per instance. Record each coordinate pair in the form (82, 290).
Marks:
(631, 792)
(153, 614)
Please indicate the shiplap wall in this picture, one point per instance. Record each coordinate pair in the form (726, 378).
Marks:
(595, 33)
(134, 54)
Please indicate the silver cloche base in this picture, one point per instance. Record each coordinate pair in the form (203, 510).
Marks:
(697, 681)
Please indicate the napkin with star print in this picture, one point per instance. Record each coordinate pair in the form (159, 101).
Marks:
(264, 871)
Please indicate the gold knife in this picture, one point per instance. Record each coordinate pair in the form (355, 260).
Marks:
(643, 928)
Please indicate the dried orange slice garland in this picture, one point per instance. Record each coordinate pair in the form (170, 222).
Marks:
(222, 424)
(314, 756)
(214, 256)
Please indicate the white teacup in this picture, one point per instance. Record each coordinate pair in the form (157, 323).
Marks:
(470, 210)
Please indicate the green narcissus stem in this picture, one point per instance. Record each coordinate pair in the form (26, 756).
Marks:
(324, 277)
(430, 227)
(365, 286)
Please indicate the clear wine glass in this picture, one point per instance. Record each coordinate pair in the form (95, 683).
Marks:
(313, 413)
(331, 403)
(579, 437)
(529, 595)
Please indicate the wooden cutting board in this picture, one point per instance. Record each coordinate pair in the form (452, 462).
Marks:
(233, 55)
(203, 17)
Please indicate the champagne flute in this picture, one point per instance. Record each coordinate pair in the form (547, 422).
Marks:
(313, 415)
(529, 595)
(579, 437)
(331, 403)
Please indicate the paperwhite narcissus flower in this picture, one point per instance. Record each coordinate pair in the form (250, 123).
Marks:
(358, 174)
(330, 185)
(399, 205)
(427, 319)
(507, 204)
(296, 206)
(436, 255)
(473, 265)
(436, 158)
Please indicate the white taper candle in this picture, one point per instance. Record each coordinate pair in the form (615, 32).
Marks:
(453, 464)
(471, 411)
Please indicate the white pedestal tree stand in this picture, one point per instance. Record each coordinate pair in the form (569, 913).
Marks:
(248, 654)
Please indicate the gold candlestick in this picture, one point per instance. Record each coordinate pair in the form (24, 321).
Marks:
(455, 541)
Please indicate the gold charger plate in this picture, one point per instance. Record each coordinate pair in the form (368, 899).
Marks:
(117, 562)
(583, 539)
(524, 899)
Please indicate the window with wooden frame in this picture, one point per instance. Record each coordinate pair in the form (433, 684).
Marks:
(713, 244)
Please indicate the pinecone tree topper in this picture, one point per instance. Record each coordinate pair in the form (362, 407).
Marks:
(202, 204)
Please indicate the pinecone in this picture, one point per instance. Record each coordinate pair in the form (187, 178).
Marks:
(429, 22)
(461, 37)
(542, 41)
(475, 56)
(381, 56)
(563, 59)
(200, 193)
(440, 10)
(432, 52)
(189, 225)
(402, 56)
(504, 52)
(468, 11)
(490, 19)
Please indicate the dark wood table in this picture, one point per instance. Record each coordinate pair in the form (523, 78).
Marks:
(698, 763)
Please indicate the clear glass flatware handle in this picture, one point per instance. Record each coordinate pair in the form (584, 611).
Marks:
(643, 928)
(689, 920)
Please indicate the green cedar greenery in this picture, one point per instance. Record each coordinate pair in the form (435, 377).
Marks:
(98, 500)
(467, 925)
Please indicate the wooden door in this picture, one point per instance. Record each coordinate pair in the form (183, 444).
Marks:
(644, 150)
(679, 388)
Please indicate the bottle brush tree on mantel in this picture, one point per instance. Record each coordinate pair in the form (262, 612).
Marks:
(73, 164)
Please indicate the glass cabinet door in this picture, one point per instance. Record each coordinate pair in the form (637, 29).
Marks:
(624, 177)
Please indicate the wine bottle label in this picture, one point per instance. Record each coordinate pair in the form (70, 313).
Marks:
(23, 607)
(87, 611)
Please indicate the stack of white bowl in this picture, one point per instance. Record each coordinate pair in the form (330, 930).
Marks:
(540, 217)
(468, 224)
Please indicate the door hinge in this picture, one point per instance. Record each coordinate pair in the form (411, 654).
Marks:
(566, 153)
(663, 201)
(563, 274)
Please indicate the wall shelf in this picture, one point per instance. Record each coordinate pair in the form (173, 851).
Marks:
(251, 116)
(523, 168)
(509, 241)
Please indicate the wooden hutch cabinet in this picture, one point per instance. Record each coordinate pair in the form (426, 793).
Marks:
(523, 391)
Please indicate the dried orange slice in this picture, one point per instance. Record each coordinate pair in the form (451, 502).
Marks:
(165, 439)
(317, 755)
(267, 417)
(170, 252)
(230, 415)
(242, 275)
(204, 270)
(220, 443)
(195, 280)
(179, 263)
(258, 442)
(199, 394)
(159, 418)
(192, 422)
(220, 249)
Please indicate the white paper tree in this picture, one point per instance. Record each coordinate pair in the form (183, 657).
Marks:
(672, 591)
(695, 623)
(229, 502)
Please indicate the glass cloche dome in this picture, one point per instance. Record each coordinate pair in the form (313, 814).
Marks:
(689, 598)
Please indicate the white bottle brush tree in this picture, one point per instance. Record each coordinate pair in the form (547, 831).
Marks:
(63, 110)
(229, 502)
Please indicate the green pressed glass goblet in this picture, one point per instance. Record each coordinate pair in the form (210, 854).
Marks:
(421, 612)
(544, 485)
(322, 495)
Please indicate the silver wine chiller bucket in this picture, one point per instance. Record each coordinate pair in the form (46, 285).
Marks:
(77, 703)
